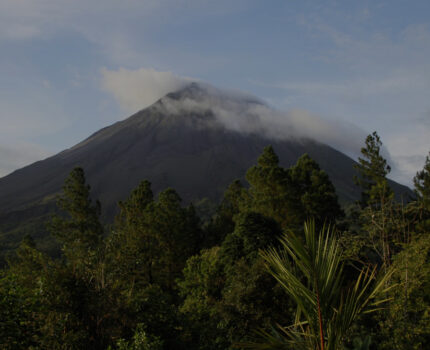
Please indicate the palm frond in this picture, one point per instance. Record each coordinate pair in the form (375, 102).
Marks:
(310, 270)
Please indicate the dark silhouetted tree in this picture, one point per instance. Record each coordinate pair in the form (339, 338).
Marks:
(314, 191)
(79, 230)
(372, 170)
(271, 192)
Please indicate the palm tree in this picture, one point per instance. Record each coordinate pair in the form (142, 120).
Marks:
(311, 272)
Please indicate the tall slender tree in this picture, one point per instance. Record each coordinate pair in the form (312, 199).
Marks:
(177, 232)
(79, 230)
(372, 170)
(133, 250)
(82, 276)
(377, 201)
(422, 191)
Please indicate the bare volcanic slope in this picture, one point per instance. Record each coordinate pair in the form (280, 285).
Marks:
(181, 141)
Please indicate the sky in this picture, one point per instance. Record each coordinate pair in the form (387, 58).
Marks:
(71, 67)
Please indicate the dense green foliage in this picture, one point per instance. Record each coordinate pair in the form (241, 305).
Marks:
(326, 309)
(161, 277)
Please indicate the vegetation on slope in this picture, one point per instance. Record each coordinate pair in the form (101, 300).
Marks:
(161, 278)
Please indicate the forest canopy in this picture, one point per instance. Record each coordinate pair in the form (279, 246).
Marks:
(280, 265)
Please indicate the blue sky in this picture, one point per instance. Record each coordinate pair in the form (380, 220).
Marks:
(69, 68)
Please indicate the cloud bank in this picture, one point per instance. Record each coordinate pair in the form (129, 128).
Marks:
(137, 89)
(235, 110)
(243, 113)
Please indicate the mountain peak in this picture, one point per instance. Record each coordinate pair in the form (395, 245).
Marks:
(192, 90)
(199, 91)
(196, 140)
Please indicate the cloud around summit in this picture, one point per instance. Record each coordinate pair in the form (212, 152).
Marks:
(136, 89)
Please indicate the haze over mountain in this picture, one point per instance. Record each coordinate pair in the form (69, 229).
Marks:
(196, 140)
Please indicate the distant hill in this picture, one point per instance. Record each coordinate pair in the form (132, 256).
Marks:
(177, 142)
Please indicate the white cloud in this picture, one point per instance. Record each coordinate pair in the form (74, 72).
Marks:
(377, 76)
(137, 89)
(235, 110)
(247, 114)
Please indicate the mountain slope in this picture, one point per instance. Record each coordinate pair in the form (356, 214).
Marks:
(178, 142)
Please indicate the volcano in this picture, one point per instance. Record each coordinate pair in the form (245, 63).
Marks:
(185, 141)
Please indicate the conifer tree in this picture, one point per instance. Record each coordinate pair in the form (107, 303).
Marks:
(422, 183)
(79, 230)
(292, 195)
(131, 210)
(132, 247)
(314, 191)
(177, 233)
(270, 189)
(373, 170)
(224, 221)
(422, 191)
(378, 214)
(81, 278)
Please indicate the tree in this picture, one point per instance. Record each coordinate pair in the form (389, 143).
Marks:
(253, 232)
(422, 191)
(19, 328)
(292, 195)
(224, 220)
(146, 253)
(373, 169)
(133, 250)
(21, 308)
(314, 191)
(270, 190)
(406, 323)
(378, 206)
(422, 183)
(227, 291)
(80, 230)
(201, 290)
(177, 234)
(132, 209)
(141, 341)
(76, 288)
(311, 272)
